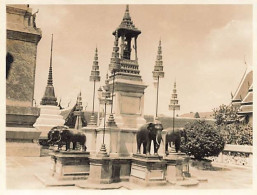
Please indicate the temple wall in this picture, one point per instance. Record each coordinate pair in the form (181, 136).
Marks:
(21, 80)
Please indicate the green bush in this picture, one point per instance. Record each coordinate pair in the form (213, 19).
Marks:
(203, 140)
(238, 134)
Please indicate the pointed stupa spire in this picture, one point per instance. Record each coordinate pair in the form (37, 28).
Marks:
(127, 23)
(50, 74)
(78, 112)
(158, 68)
(126, 14)
(49, 96)
(79, 106)
(115, 60)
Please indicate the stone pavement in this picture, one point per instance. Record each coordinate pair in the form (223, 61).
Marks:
(20, 174)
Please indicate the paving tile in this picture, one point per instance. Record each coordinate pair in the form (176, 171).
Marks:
(21, 171)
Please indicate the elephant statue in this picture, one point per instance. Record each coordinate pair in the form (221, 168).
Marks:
(67, 136)
(174, 137)
(147, 133)
(53, 134)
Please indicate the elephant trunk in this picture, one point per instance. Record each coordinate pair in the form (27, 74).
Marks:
(59, 139)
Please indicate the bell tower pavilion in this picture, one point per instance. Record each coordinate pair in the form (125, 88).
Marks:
(128, 102)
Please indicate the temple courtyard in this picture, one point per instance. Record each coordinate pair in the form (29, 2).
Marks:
(21, 174)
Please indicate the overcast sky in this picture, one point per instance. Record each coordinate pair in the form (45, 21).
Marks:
(203, 49)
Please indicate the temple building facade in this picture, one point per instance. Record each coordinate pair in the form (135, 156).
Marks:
(22, 40)
(243, 97)
(21, 45)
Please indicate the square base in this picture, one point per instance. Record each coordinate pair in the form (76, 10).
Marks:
(148, 170)
(121, 168)
(70, 165)
(177, 167)
(100, 170)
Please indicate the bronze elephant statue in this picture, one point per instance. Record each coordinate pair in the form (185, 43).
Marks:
(62, 135)
(53, 135)
(146, 134)
(175, 137)
(67, 136)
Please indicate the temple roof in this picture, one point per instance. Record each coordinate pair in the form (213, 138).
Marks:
(72, 118)
(126, 26)
(247, 103)
(244, 85)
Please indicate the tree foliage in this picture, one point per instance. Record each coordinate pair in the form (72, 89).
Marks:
(225, 114)
(203, 140)
(238, 134)
(232, 130)
(197, 115)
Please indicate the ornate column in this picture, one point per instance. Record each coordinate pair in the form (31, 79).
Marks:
(157, 74)
(114, 66)
(95, 77)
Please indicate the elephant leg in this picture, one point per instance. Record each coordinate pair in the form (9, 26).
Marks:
(144, 148)
(67, 146)
(74, 145)
(59, 146)
(166, 147)
(138, 147)
(155, 147)
(177, 145)
(148, 146)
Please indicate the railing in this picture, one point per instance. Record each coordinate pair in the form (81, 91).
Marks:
(241, 155)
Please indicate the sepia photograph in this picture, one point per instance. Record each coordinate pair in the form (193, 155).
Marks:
(129, 97)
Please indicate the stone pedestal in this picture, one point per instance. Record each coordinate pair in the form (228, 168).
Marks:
(49, 117)
(177, 167)
(128, 102)
(90, 132)
(22, 142)
(148, 170)
(119, 142)
(121, 168)
(100, 170)
(70, 165)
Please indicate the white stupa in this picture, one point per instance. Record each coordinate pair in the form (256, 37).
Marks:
(49, 111)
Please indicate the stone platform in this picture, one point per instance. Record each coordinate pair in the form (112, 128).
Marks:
(21, 171)
(22, 142)
(177, 167)
(148, 170)
(70, 165)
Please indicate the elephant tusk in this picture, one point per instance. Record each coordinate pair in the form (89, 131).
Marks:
(157, 141)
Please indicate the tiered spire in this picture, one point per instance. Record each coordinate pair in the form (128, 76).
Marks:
(95, 77)
(127, 23)
(95, 73)
(106, 87)
(158, 68)
(49, 96)
(115, 60)
(78, 112)
(79, 106)
(174, 101)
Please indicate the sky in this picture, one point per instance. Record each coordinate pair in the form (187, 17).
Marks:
(204, 47)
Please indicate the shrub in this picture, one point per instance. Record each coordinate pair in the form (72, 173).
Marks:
(203, 140)
(238, 134)
(197, 115)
